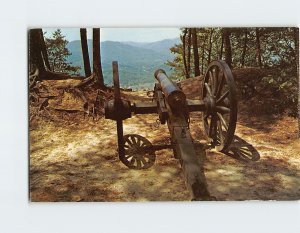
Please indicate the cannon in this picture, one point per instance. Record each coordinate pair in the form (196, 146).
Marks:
(218, 104)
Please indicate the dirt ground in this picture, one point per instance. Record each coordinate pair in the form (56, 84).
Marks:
(77, 161)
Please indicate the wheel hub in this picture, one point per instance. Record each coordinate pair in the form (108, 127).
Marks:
(210, 104)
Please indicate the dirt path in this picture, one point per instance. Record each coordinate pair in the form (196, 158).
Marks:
(78, 162)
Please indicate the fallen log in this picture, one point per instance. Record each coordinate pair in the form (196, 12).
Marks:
(85, 82)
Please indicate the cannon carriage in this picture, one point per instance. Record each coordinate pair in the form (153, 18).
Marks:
(218, 104)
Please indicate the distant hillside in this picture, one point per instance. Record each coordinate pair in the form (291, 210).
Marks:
(158, 46)
(137, 61)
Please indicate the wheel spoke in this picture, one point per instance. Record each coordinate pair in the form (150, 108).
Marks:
(220, 86)
(129, 142)
(138, 164)
(206, 122)
(220, 133)
(215, 81)
(206, 117)
(211, 77)
(134, 141)
(212, 127)
(222, 120)
(222, 97)
(139, 141)
(131, 162)
(208, 89)
(222, 109)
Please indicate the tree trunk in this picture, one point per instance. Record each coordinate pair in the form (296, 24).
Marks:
(184, 53)
(227, 45)
(35, 50)
(44, 50)
(195, 51)
(97, 69)
(38, 57)
(221, 49)
(209, 48)
(189, 51)
(203, 55)
(258, 47)
(202, 58)
(244, 48)
(296, 38)
(85, 52)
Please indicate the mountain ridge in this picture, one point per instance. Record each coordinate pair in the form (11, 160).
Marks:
(137, 62)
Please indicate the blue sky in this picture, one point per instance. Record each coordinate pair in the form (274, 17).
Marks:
(121, 34)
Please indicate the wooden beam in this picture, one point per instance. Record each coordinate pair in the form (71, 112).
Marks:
(185, 151)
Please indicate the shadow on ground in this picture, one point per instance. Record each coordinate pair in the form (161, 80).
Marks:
(242, 150)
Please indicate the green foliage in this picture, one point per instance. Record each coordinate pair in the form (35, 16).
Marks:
(58, 54)
(177, 64)
(278, 52)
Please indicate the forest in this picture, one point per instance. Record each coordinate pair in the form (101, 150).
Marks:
(76, 147)
(267, 57)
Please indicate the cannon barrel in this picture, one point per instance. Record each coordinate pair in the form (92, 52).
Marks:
(174, 96)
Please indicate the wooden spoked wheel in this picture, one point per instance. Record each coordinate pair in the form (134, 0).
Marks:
(219, 96)
(138, 153)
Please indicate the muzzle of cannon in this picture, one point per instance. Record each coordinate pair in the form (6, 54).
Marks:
(218, 105)
(173, 95)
